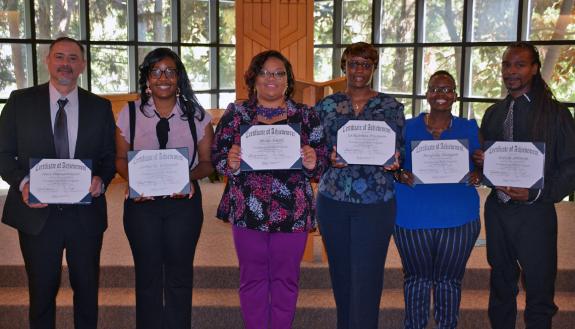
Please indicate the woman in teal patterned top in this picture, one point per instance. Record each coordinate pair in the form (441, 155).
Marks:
(356, 203)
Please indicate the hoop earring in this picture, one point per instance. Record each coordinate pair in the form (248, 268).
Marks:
(178, 92)
(148, 91)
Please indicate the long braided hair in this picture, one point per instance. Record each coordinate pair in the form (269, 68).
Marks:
(546, 105)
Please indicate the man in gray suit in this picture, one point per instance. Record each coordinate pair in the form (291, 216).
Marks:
(58, 120)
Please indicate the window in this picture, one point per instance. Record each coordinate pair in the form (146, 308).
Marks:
(465, 37)
(117, 36)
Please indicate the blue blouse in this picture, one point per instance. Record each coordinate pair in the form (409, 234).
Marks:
(427, 206)
(360, 184)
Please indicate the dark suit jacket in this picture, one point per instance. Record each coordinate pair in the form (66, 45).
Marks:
(26, 132)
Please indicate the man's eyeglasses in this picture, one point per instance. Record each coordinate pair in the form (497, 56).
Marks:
(278, 75)
(168, 72)
(357, 64)
(443, 90)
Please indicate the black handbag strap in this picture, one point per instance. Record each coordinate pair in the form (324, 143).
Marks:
(192, 124)
(132, 107)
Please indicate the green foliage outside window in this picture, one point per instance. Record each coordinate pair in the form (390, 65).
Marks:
(440, 44)
(112, 52)
(356, 21)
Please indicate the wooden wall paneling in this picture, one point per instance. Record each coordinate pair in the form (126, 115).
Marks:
(284, 25)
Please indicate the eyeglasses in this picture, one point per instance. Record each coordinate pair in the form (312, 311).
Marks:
(278, 75)
(357, 64)
(168, 73)
(443, 90)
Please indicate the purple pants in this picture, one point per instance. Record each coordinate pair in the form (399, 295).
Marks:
(269, 276)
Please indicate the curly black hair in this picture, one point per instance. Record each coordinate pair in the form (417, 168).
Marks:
(255, 67)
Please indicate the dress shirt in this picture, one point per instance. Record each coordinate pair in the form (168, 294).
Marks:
(559, 146)
(71, 109)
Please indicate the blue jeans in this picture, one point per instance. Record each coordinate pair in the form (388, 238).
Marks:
(356, 238)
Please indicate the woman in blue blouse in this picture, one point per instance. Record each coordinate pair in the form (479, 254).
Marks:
(437, 224)
(356, 204)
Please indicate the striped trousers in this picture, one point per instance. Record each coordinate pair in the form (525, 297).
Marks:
(434, 259)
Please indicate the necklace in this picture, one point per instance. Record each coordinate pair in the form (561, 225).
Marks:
(435, 132)
(269, 113)
(358, 105)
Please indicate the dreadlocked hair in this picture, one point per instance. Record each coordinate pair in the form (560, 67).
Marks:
(546, 105)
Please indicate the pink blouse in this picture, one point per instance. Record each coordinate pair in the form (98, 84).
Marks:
(146, 138)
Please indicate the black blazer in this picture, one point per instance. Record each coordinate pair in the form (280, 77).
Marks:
(26, 132)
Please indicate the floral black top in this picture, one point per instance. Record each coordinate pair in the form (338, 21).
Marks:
(362, 184)
(274, 200)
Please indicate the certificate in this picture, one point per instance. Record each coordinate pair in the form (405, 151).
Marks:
(514, 164)
(158, 172)
(440, 161)
(270, 147)
(366, 143)
(60, 181)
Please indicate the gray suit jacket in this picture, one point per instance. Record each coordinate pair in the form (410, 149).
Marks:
(26, 132)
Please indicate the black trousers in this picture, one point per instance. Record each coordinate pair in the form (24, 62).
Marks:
(521, 240)
(43, 260)
(163, 235)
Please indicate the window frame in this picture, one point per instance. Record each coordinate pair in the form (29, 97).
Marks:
(31, 42)
(465, 99)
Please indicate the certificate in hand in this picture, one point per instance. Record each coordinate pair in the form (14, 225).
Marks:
(270, 147)
(514, 164)
(60, 181)
(440, 161)
(158, 172)
(366, 143)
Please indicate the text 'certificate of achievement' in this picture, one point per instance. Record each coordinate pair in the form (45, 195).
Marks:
(158, 172)
(514, 164)
(60, 181)
(440, 161)
(270, 147)
(366, 143)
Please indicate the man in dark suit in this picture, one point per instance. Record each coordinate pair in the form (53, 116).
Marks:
(58, 120)
(521, 223)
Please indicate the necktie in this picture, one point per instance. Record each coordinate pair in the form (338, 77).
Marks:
(162, 130)
(507, 136)
(508, 124)
(61, 131)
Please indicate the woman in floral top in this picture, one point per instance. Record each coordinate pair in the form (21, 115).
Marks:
(356, 204)
(271, 210)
